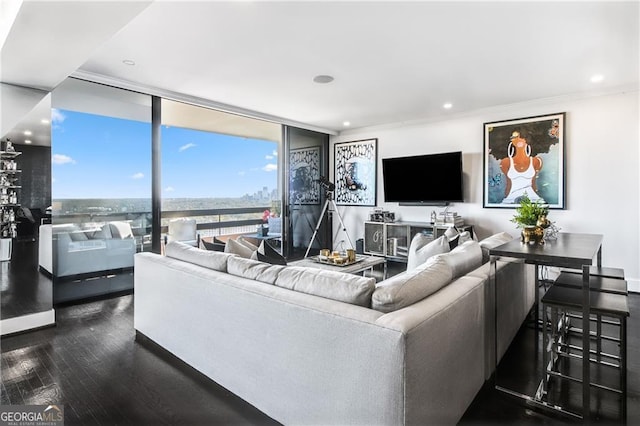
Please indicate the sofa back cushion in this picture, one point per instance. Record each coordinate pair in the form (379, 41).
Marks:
(492, 242)
(422, 247)
(412, 286)
(348, 288)
(464, 258)
(253, 269)
(209, 259)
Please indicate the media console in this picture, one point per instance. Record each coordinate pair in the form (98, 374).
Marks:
(392, 239)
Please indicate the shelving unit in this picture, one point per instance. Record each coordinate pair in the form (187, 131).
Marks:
(9, 175)
(392, 239)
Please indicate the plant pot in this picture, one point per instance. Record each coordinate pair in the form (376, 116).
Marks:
(532, 235)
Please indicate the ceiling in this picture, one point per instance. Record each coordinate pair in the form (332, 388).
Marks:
(391, 61)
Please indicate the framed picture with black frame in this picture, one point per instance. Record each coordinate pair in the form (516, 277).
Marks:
(356, 172)
(304, 167)
(525, 156)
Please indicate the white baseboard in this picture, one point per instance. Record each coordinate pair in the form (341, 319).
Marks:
(27, 322)
(633, 284)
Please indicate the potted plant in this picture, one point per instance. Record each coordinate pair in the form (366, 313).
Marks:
(531, 217)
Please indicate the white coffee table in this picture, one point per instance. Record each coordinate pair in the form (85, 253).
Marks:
(363, 264)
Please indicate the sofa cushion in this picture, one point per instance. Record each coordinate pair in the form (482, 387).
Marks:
(209, 259)
(253, 269)
(268, 254)
(464, 258)
(333, 285)
(235, 247)
(492, 242)
(422, 247)
(120, 230)
(412, 286)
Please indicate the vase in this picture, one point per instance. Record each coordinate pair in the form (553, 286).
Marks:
(532, 235)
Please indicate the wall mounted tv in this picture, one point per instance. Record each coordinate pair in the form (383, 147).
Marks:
(434, 179)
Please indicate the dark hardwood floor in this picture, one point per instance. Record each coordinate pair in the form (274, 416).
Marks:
(93, 365)
(23, 289)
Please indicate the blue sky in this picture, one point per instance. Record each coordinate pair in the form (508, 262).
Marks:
(103, 157)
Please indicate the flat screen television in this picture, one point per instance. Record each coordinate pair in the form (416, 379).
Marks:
(433, 179)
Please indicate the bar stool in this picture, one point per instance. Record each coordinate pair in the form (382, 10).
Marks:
(562, 300)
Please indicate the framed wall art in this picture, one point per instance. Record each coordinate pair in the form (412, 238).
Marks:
(524, 156)
(355, 172)
(304, 172)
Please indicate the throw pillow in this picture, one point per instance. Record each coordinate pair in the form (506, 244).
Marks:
(410, 287)
(464, 258)
(492, 242)
(268, 254)
(253, 269)
(208, 259)
(213, 246)
(120, 230)
(76, 234)
(248, 244)
(348, 288)
(452, 235)
(234, 247)
(422, 247)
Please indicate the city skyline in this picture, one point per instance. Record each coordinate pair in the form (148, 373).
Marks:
(105, 157)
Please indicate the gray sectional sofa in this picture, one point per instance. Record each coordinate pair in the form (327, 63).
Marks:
(306, 346)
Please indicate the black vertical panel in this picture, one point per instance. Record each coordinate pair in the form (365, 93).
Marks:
(156, 177)
(35, 179)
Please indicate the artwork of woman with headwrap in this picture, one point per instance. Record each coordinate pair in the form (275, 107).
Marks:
(524, 156)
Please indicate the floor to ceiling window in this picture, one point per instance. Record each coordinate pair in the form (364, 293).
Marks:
(101, 187)
(219, 172)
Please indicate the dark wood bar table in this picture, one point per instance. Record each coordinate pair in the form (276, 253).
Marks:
(569, 250)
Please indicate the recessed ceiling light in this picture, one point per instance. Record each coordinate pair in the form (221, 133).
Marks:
(27, 133)
(44, 121)
(129, 62)
(323, 79)
(448, 105)
(27, 141)
(597, 78)
(346, 124)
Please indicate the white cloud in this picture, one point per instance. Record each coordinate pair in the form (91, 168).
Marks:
(138, 175)
(242, 173)
(270, 167)
(275, 153)
(57, 116)
(169, 189)
(62, 159)
(187, 146)
(269, 157)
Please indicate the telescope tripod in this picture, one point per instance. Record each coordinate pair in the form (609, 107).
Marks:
(329, 202)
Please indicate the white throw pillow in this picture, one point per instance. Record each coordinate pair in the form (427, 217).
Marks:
(120, 230)
(240, 249)
(410, 287)
(423, 247)
(492, 242)
(215, 260)
(464, 258)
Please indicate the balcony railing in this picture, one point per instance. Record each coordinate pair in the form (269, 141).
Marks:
(210, 222)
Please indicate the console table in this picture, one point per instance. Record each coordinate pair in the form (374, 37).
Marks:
(569, 250)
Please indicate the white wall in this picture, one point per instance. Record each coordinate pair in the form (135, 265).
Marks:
(602, 157)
